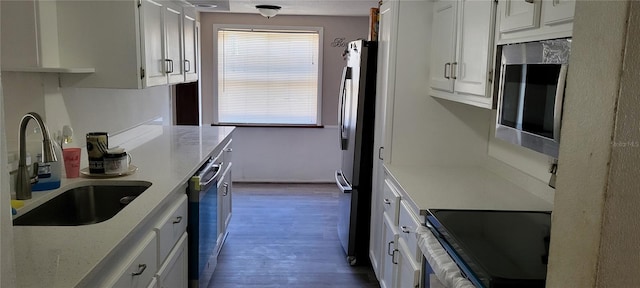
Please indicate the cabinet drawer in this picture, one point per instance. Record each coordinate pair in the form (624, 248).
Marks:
(141, 267)
(171, 227)
(391, 201)
(408, 224)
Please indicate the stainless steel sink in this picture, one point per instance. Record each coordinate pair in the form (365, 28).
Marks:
(84, 205)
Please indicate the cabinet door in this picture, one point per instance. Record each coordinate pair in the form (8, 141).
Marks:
(224, 206)
(190, 48)
(174, 272)
(516, 15)
(443, 44)
(153, 42)
(408, 269)
(384, 91)
(474, 42)
(388, 267)
(173, 33)
(557, 11)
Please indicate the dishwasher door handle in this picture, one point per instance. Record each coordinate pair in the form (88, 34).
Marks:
(342, 183)
(202, 184)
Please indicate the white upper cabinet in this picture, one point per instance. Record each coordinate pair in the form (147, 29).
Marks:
(30, 41)
(173, 33)
(128, 43)
(461, 54)
(557, 11)
(191, 40)
(154, 42)
(475, 39)
(443, 50)
(163, 43)
(519, 15)
(532, 20)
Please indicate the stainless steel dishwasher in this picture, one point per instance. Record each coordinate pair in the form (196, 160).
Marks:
(203, 222)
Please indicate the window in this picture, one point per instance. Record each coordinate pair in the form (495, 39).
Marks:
(268, 76)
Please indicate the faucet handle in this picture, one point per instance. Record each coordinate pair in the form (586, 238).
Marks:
(34, 179)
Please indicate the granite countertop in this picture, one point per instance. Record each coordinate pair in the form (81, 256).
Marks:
(474, 188)
(166, 156)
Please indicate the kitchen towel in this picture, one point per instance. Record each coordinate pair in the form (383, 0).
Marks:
(443, 266)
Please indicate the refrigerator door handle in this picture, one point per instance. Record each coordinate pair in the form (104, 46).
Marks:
(342, 183)
(346, 74)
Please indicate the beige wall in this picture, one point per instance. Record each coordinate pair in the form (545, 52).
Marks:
(350, 28)
(594, 231)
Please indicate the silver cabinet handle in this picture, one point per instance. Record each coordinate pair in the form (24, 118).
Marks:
(445, 70)
(405, 229)
(453, 70)
(169, 65)
(380, 153)
(226, 189)
(529, 1)
(141, 269)
(178, 220)
(393, 257)
(187, 65)
(387, 201)
(228, 150)
(389, 249)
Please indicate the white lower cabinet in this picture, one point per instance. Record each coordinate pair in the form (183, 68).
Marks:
(400, 264)
(139, 269)
(408, 271)
(225, 195)
(172, 246)
(174, 272)
(388, 264)
(156, 256)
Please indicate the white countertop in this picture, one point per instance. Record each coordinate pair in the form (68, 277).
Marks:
(63, 256)
(474, 188)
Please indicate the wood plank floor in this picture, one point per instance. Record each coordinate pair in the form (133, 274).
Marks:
(284, 235)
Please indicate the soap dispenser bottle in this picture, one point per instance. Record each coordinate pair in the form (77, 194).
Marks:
(53, 181)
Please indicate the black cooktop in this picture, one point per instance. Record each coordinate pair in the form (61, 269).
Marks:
(496, 249)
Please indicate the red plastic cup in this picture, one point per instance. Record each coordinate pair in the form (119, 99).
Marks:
(71, 162)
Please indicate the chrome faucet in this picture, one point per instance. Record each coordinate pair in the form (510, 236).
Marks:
(23, 181)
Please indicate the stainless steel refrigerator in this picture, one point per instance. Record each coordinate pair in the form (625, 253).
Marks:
(356, 114)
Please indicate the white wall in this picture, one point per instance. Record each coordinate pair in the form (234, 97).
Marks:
(286, 154)
(7, 269)
(85, 109)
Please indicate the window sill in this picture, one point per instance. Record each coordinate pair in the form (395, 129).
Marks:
(268, 125)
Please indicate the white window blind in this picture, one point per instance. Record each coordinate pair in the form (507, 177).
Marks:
(268, 77)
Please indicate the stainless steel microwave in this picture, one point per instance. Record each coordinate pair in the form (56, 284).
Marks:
(530, 93)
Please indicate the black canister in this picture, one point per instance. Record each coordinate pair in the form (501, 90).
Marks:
(97, 145)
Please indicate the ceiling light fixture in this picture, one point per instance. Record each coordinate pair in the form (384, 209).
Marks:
(268, 10)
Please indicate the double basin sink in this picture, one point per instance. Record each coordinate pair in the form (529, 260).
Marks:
(84, 205)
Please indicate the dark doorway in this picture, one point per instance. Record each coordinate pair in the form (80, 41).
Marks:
(187, 99)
